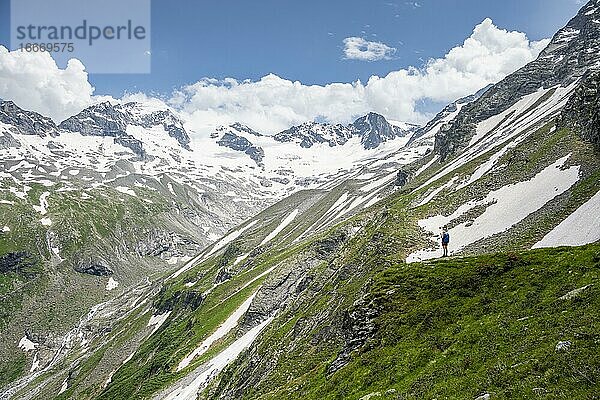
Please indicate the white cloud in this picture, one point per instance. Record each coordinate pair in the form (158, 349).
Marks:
(34, 82)
(357, 48)
(413, 4)
(273, 103)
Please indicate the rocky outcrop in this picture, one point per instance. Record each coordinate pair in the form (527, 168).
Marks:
(165, 244)
(191, 300)
(19, 262)
(239, 143)
(223, 275)
(244, 128)
(283, 181)
(569, 56)
(7, 141)
(256, 153)
(358, 326)
(91, 265)
(582, 112)
(26, 122)
(133, 144)
(230, 254)
(402, 178)
(325, 248)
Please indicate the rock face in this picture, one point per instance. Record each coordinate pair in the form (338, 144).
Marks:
(181, 300)
(446, 112)
(402, 178)
(159, 243)
(25, 122)
(8, 141)
(92, 266)
(311, 133)
(358, 326)
(239, 143)
(582, 112)
(172, 125)
(18, 262)
(102, 119)
(244, 128)
(571, 53)
(136, 146)
(234, 142)
(373, 129)
(106, 119)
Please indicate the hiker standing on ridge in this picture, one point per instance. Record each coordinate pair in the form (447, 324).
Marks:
(445, 236)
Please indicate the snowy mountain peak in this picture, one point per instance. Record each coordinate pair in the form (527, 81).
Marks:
(26, 122)
(582, 34)
(373, 129)
(102, 119)
(114, 120)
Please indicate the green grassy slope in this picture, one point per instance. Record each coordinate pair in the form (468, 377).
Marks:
(356, 320)
(446, 329)
(46, 296)
(457, 328)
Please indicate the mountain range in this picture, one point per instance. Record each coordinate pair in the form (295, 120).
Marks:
(138, 261)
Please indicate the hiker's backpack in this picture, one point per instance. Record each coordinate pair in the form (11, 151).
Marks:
(446, 238)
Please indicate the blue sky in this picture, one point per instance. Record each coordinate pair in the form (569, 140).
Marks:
(302, 40)
(273, 64)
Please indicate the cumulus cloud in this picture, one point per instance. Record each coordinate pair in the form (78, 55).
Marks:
(34, 82)
(270, 104)
(273, 103)
(357, 48)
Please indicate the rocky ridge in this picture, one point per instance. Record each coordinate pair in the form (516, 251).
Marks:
(582, 112)
(571, 53)
(373, 129)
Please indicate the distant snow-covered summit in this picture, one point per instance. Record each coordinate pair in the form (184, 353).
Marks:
(373, 129)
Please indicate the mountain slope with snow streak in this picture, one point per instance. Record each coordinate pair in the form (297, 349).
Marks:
(291, 302)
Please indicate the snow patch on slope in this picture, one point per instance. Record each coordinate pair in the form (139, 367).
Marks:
(581, 227)
(111, 284)
(378, 182)
(506, 207)
(27, 345)
(125, 190)
(516, 123)
(230, 238)
(158, 320)
(288, 220)
(223, 242)
(216, 364)
(43, 207)
(223, 330)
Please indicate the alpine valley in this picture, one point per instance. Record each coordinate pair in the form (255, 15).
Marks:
(140, 261)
